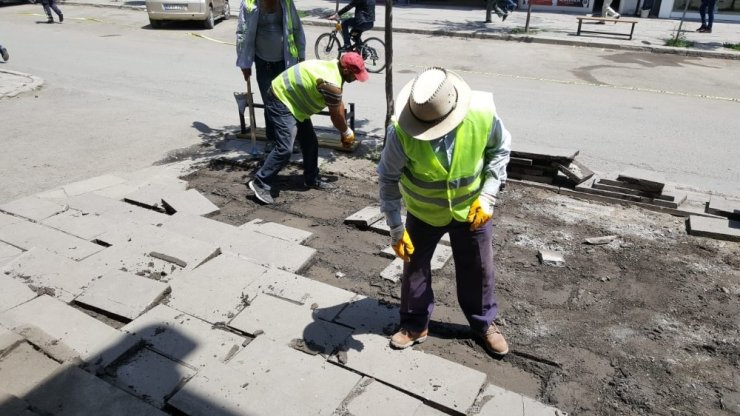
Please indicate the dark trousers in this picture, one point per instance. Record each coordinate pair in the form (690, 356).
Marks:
(284, 130)
(352, 25)
(474, 272)
(707, 8)
(266, 72)
(50, 5)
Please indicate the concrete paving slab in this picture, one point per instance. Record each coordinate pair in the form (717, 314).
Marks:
(115, 211)
(283, 232)
(11, 405)
(646, 180)
(123, 294)
(70, 391)
(717, 228)
(151, 195)
(78, 331)
(366, 216)
(53, 194)
(217, 290)
(376, 398)
(262, 249)
(369, 316)
(33, 208)
(117, 192)
(149, 376)
(13, 292)
(381, 226)
(546, 153)
(6, 219)
(8, 340)
(23, 368)
(133, 259)
(50, 346)
(44, 270)
(442, 254)
(551, 258)
(79, 224)
(393, 271)
(183, 337)
(283, 321)
(92, 184)
(255, 382)
(172, 247)
(27, 235)
(190, 201)
(326, 300)
(723, 206)
(427, 376)
(499, 401)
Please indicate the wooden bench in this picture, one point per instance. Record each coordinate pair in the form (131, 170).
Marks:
(602, 20)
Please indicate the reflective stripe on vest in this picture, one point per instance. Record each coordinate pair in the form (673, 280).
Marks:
(296, 86)
(292, 48)
(437, 195)
(250, 5)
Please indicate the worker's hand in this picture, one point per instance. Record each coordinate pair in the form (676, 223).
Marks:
(348, 137)
(481, 211)
(333, 17)
(401, 243)
(247, 73)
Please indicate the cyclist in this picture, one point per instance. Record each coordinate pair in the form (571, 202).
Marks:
(364, 20)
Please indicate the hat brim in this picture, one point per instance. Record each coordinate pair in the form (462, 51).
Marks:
(421, 130)
(362, 76)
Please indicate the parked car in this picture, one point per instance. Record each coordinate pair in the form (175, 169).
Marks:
(206, 11)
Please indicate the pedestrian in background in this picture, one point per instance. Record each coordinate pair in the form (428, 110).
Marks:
(363, 20)
(4, 53)
(293, 97)
(50, 5)
(607, 11)
(445, 157)
(269, 34)
(706, 8)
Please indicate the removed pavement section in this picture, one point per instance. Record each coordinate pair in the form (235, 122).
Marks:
(213, 324)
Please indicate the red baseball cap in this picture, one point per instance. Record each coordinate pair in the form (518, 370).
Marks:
(354, 62)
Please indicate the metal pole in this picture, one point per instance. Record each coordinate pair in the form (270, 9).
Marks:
(529, 13)
(680, 24)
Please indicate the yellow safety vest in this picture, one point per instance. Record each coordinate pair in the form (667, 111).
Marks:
(437, 195)
(292, 48)
(296, 86)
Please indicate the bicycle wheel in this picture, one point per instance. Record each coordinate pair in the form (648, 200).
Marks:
(373, 52)
(327, 47)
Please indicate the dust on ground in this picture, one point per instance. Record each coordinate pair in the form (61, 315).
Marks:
(644, 325)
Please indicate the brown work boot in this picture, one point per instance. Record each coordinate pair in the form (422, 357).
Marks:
(494, 342)
(405, 338)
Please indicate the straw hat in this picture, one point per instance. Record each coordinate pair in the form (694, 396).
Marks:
(432, 104)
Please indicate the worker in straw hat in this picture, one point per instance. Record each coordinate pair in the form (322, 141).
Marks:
(445, 157)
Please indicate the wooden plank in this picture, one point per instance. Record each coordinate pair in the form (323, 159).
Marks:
(326, 139)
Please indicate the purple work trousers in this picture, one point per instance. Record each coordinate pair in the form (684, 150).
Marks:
(474, 272)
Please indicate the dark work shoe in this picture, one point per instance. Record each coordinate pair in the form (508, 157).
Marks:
(708, 30)
(4, 53)
(260, 193)
(702, 28)
(50, 20)
(319, 184)
(61, 18)
(503, 18)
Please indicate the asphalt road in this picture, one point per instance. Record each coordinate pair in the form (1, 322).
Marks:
(119, 96)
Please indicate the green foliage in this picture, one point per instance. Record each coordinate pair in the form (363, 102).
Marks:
(733, 46)
(679, 42)
(522, 31)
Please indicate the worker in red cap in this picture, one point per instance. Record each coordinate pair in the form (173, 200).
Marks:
(293, 97)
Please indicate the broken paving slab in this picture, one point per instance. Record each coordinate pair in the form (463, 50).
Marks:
(432, 378)
(325, 300)
(13, 292)
(133, 259)
(8, 253)
(393, 271)
(366, 216)
(645, 179)
(575, 171)
(283, 321)
(33, 208)
(545, 153)
(115, 211)
(151, 195)
(149, 376)
(375, 398)
(27, 235)
(551, 258)
(255, 382)
(283, 232)
(190, 201)
(498, 401)
(81, 333)
(79, 224)
(217, 290)
(183, 337)
(92, 184)
(725, 207)
(369, 316)
(71, 391)
(23, 369)
(8, 340)
(717, 228)
(122, 293)
(50, 273)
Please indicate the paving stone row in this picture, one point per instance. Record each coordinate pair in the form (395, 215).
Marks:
(117, 308)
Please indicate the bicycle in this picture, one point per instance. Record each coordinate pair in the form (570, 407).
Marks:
(329, 45)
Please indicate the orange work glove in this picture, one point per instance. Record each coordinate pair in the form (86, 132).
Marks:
(348, 137)
(481, 211)
(401, 243)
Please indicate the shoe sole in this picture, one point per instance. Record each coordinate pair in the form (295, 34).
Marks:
(256, 194)
(408, 344)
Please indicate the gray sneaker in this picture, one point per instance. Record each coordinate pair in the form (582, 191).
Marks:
(260, 193)
(5, 54)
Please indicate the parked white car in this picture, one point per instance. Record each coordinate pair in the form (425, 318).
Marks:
(206, 11)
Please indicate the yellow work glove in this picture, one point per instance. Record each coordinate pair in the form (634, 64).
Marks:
(481, 211)
(348, 137)
(401, 243)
